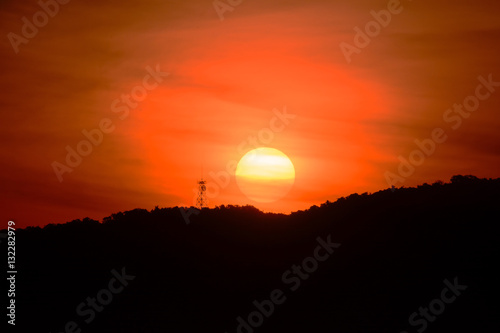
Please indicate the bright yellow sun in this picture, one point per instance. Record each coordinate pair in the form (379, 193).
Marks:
(265, 174)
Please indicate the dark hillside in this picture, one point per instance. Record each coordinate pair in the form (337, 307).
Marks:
(396, 249)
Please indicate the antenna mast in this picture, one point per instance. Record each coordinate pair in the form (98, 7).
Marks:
(201, 200)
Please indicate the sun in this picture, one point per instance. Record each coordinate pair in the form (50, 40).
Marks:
(265, 174)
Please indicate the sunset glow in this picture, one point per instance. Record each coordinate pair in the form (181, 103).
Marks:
(250, 166)
(132, 110)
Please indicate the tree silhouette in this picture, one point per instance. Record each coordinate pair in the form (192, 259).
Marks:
(396, 249)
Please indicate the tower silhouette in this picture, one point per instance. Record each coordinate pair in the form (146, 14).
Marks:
(201, 200)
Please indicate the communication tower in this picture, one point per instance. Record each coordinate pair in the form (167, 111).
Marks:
(201, 201)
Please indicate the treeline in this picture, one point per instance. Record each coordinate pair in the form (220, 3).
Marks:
(397, 246)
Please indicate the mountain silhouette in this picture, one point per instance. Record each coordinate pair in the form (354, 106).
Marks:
(364, 263)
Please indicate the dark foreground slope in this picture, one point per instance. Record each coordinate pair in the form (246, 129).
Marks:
(396, 251)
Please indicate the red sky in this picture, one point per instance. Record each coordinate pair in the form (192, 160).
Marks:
(227, 80)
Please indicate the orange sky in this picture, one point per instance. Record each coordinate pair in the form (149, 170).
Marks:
(227, 81)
